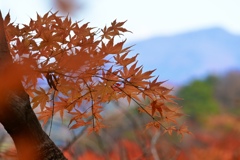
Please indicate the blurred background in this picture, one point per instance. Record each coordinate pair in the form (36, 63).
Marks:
(192, 44)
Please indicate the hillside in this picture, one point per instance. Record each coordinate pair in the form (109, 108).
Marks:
(183, 57)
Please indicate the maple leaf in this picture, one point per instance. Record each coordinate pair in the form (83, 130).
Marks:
(97, 127)
(157, 105)
(45, 114)
(63, 105)
(169, 130)
(183, 129)
(155, 124)
(41, 98)
(114, 30)
(78, 124)
(123, 61)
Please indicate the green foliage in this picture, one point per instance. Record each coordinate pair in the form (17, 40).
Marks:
(198, 98)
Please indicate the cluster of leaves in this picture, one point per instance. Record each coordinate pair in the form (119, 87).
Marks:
(85, 69)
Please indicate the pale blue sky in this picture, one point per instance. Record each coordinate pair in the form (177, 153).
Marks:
(145, 18)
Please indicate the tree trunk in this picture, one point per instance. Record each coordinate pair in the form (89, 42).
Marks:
(16, 114)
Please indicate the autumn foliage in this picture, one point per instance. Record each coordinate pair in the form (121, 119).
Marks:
(85, 69)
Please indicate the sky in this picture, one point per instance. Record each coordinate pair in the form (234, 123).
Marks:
(144, 18)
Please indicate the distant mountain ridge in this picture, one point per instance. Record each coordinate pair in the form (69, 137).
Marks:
(183, 57)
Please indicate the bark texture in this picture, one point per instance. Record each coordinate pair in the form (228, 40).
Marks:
(16, 114)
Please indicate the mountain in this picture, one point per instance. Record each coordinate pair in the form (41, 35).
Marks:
(181, 58)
